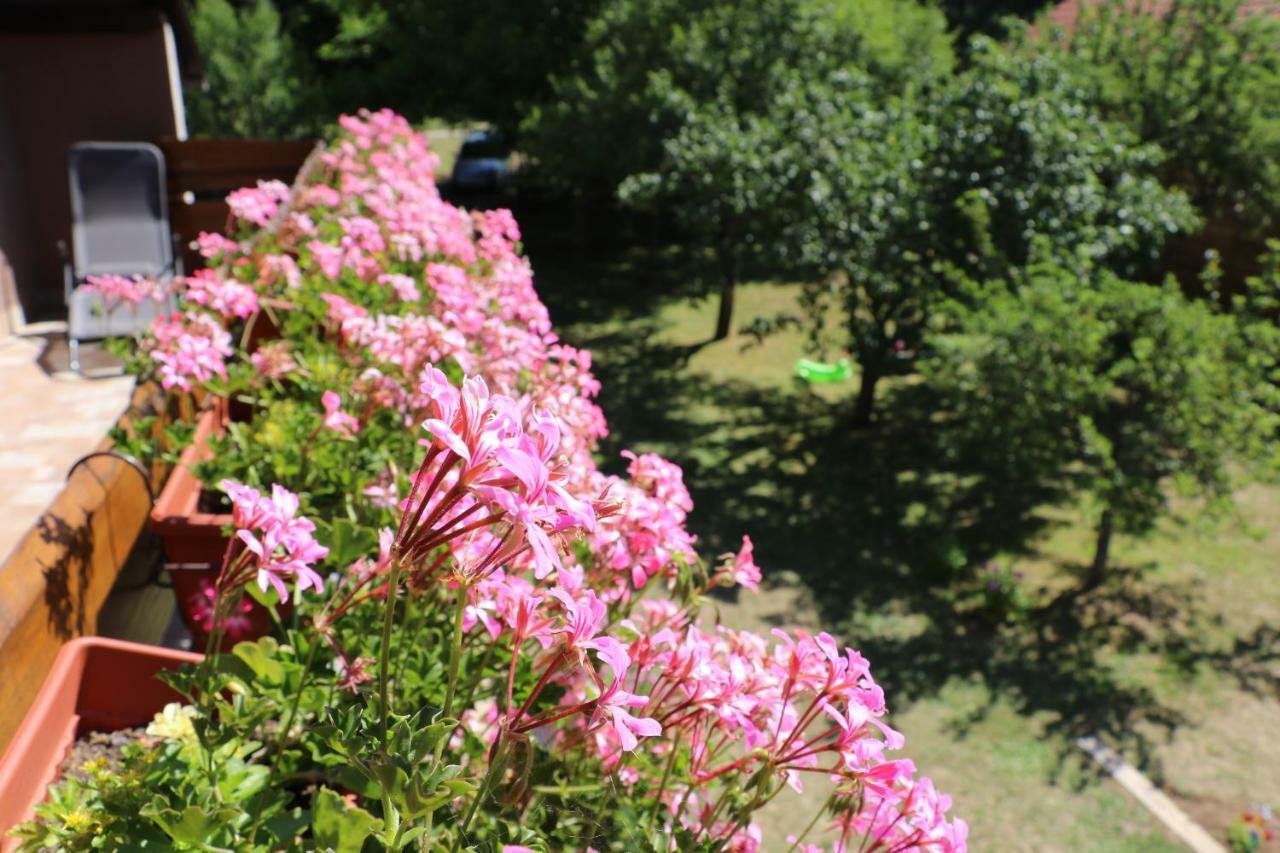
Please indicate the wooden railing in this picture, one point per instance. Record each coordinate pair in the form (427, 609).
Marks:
(203, 171)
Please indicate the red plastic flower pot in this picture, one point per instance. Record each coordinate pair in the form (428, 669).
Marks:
(95, 684)
(194, 543)
(191, 536)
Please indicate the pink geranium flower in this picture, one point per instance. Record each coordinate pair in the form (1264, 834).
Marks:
(337, 420)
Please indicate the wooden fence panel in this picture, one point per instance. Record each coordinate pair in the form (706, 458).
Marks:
(201, 172)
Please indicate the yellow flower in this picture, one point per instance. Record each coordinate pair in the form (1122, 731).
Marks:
(173, 722)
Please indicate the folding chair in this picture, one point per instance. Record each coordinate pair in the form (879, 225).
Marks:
(119, 225)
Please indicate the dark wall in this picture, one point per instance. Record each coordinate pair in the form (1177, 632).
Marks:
(57, 89)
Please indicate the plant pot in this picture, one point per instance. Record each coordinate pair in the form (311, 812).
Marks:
(95, 684)
(189, 535)
(194, 543)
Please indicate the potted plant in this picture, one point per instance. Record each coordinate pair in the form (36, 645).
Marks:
(96, 684)
(494, 645)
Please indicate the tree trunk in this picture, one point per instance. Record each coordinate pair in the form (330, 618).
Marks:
(864, 406)
(724, 321)
(1098, 571)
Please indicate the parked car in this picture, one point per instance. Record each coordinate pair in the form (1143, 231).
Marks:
(482, 162)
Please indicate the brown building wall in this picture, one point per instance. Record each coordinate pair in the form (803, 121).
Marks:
(57, 89)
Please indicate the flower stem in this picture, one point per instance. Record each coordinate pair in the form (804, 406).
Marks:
(498, 760)
(456, 651)
(809, 828)
(384, 653)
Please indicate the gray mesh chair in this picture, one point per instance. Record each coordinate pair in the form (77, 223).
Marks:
(119, 225)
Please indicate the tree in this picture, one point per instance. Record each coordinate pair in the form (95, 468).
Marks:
(255, 80)
(1116, 385)
(717, 178)
(1202, 81)
(854, 218)
(989, 17)
(1022, 156)
(643, 63)
(701, 111)
(486, 60)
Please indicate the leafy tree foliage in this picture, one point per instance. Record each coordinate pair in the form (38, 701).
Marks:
(481, 59)
(988, 17)
(723, 101)
(255, 78)
(1021, 156)
(1202, 82)
(903, 44)
(1116, 384)
(855, 219)
(645, 64)
(717, 178)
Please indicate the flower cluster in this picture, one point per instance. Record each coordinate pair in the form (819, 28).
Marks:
(119, 289)
(279, 544)
(423, 315)
(189, 349)
(258, 205)
(227, 297)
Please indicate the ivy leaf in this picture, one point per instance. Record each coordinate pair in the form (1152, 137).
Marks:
(339, 825)
(347, 542)
(262, 659)
(193, 826)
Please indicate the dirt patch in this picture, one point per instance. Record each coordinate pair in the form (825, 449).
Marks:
(101, 746)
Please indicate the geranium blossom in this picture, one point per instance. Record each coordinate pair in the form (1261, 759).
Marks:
(117, 289)
(227, 297)
(189, 349)
(279, 543)
(257, 205)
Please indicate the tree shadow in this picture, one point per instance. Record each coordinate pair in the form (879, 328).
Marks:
(67, 574)
(896, 521)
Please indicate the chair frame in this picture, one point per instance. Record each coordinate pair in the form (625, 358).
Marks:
(72, 279)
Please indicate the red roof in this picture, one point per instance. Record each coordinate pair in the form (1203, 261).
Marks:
(1066, 14)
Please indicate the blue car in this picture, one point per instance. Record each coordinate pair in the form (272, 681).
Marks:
(481, 163)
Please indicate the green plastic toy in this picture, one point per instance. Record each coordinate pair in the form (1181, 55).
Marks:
(817, 372)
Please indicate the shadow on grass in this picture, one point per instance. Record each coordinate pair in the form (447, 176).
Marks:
(890, 523)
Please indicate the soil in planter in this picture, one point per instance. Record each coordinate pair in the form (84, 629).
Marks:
(213, 502)
(108, 746)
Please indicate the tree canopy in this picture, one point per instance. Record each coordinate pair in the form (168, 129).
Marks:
(1116, 385)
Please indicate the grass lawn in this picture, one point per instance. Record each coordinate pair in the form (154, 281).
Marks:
(879, 536)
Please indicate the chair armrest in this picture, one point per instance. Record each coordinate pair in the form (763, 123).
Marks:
(68, 271)
(179, 268)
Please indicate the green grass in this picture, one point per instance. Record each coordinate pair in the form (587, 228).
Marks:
(445, 143)
(1175, 660)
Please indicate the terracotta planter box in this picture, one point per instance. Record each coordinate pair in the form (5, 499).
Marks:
(96, 684)
(189, 535)
(194, 542)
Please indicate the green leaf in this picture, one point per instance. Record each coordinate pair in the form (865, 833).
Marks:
(261, 658)
(193, 826)
(339, 825)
